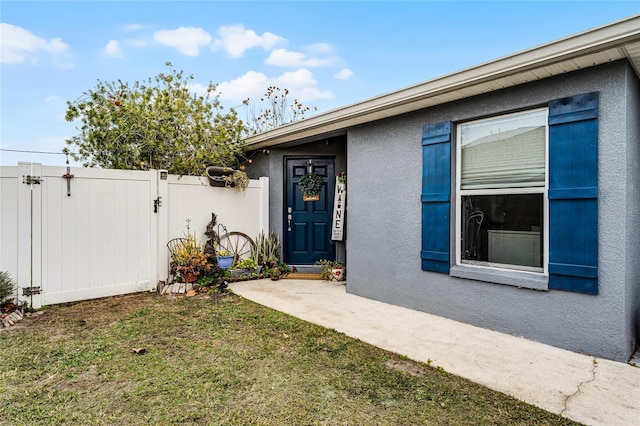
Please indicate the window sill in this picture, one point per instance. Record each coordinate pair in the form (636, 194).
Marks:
(501, 276)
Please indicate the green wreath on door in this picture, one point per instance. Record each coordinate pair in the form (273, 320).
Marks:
(310, 184)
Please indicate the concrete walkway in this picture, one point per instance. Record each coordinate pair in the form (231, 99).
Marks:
(583, 388)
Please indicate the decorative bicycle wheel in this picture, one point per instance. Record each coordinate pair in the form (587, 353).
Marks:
(239, 244)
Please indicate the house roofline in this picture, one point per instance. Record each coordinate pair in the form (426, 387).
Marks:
(614, 41)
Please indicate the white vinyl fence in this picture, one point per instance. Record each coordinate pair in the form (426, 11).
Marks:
(109, 235)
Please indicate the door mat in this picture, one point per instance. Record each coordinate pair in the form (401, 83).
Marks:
(302, 276)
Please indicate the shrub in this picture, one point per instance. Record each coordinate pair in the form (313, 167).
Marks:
(7, 286)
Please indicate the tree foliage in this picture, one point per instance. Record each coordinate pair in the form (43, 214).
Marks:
(273, 110)
(7, 286)
(158, 124)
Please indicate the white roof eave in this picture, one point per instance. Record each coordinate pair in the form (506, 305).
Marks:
(594, 47)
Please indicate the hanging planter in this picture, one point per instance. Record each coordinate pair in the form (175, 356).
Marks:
(219, 176)
(227, 177)
(310, 185)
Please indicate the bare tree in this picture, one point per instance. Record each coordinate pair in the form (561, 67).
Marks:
(274, 110)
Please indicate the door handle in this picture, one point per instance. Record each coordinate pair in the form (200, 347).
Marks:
(289, 210)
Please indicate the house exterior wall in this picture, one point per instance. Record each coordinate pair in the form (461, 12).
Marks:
(384, 238)
(272, 165)
(632, 234)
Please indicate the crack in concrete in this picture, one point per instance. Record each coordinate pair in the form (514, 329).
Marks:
(580, 385)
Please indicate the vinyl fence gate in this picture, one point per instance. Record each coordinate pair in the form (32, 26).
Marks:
(94, 233)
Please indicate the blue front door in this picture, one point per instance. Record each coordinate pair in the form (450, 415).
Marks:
(307, 224)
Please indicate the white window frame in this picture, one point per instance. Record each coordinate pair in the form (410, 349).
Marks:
(487, 267)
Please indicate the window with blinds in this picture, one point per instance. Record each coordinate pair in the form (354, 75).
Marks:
(504, 152)
(501, 191)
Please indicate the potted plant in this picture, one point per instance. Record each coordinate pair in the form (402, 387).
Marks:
(246, 265)
(238, 179)
(227, 177)
(283, 269)
(271, 269)
(331, 270)
(225, 259)
(188, 259)
(275, 269)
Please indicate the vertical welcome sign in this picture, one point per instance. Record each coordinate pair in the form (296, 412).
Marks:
(337, 226)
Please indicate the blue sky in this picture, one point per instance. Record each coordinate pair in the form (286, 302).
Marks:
(328, 54)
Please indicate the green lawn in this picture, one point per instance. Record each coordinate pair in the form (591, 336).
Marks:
(223, 360)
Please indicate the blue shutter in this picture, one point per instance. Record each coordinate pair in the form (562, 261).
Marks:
(573, 194)
(436, 191)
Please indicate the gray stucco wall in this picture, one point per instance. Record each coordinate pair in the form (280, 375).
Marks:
(272, 165)
(384, 237)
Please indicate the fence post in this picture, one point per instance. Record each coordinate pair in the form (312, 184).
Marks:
(264, 204)
(29, 274)
(162, 263)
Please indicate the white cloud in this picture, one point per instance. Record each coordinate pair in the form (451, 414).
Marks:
(344, 74)
(186, 39)
(112, 49)
(235, 39)
(18, 45)
(51, 98)
(249, 85)
(314, 55)
(285, 58)
(300, 83)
